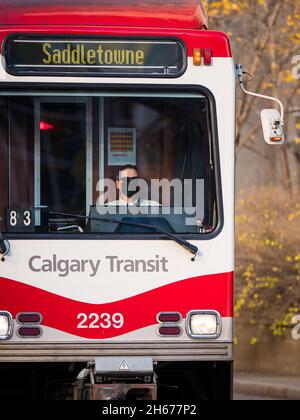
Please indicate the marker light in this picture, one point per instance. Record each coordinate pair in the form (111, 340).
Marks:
(204, 324)
(6, 325)
(207, 57)
(197, 57)
(276, 139)
(170, 331)
(29, 318)
(30, 332)
(169, 317)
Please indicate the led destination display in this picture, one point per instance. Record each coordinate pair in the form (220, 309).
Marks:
(90, 57)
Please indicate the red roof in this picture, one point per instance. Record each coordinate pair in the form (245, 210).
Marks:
(188, 14)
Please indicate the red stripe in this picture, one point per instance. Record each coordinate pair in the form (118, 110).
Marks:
(163, 13)
(207, 292)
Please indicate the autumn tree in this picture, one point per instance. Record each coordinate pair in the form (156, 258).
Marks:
(265, 36)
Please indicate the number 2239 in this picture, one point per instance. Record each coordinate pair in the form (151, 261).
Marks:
(96, 321)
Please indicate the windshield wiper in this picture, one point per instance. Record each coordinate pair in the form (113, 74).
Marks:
(182, 242)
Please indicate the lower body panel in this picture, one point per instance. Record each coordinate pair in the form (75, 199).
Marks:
(85, 352)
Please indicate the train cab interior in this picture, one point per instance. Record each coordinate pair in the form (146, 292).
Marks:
(59, 148)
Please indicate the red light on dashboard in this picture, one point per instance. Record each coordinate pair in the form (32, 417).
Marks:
(44, 126)
(170, 331)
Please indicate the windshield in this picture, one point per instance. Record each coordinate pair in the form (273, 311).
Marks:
(144, 158)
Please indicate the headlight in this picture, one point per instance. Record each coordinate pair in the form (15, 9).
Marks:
(6, 325)
(204, 324)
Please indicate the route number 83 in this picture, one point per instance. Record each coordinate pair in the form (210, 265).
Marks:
(19, 219)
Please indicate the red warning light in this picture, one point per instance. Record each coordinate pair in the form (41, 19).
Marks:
(44, 126)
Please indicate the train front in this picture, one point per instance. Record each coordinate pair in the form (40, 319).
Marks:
(116, 206)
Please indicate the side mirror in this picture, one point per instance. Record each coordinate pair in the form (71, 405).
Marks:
(272, 126)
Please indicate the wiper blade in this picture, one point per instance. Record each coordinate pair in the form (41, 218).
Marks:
(193, 249)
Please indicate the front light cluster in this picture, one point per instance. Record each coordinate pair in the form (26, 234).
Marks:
(6, 325)
(204, 324)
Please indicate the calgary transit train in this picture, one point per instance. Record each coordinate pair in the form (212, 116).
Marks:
(117, 136)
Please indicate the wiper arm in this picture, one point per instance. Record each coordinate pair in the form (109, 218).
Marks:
(182, 242)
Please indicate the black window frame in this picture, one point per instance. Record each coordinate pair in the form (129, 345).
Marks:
(43, 88)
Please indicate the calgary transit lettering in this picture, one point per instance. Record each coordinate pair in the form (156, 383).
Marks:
(81, 54)
(65, 267)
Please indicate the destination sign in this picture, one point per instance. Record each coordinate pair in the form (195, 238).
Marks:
(94, 57)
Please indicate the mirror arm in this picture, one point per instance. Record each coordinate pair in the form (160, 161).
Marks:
(240, 77)
(4, 247)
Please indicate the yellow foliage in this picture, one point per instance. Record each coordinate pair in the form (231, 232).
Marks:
(268, 259)
(253, 341)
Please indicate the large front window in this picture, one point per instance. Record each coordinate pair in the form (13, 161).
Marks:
(146, 159)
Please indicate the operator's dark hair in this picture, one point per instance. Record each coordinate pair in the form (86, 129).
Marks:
(125, 167)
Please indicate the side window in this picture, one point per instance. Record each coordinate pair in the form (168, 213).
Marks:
(62, 152)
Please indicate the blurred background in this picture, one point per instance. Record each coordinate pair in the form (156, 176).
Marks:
(265, 36)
